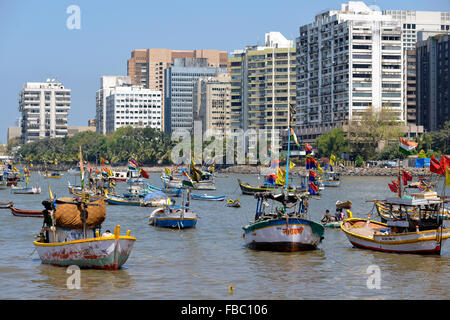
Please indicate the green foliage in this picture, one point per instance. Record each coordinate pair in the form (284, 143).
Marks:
(332, 142)
(390, 152)
(150, 146)
(436, 142)
(359, 161)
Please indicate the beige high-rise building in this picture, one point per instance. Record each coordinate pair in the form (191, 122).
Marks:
(212, 102)
(146, 66)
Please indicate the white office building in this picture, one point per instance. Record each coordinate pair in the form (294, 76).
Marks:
(107, 84)
(44, 107)
(413, 22)
(130, 105)
(348, 60)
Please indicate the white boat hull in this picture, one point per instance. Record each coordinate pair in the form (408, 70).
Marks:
(96, 253)
(279, 235)
(177, 219)
(429, 241)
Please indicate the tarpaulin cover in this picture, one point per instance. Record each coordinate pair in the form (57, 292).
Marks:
(69, 215)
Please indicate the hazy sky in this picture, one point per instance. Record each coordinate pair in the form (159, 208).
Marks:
(36, 44)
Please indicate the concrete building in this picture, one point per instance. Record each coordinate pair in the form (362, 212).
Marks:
(212, 104)
(44, 107)
(135, 106)
(73, 130)
(179, 91)
(107, 84)
(13, 132)
(348, 60)
(433, 81)
(413, 21)
(146, 67)
(263, 85)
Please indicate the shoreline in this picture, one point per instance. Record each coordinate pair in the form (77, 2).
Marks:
(248, 169)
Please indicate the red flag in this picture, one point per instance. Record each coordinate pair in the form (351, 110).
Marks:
(312, 174)
(445, 162)
(393, 187)
(314, 187)
(433, 159)
(406, 177)
(144, 174)
(436, 168)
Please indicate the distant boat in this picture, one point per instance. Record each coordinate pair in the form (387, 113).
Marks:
(234, 203)
(26, 213)
(331, 179)
(206, 197)
(172, 216)
(26, 190)
(249, 189)
(6, 205)
(52, 175)
(117, 200)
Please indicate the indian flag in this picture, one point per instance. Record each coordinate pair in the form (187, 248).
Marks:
(406, 147)
(186, 181)
(294, 137)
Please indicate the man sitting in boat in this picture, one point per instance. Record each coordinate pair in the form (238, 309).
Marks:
(107, 233)
(327, 217)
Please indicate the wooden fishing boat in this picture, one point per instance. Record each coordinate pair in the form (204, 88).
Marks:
(251, 190)
(172, 216)
(331, 179)
(234, 203)
(117, 200)
(405, 231)
(26, 190)
(71, 236)
(52, 175)
(119, 175)
(6, 205)
(26, 213)
(206, 197)
(280, 230)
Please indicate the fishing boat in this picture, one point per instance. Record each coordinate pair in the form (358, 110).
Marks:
(173, 216)
(26, 190)
(332, 224)
(234, 203)
(52, 175)
(280, 230)
(71, 236)
(118, 200)
(6, 205)
(205, 180)
(156, 199)
(171, 192)
(286, 227)
(26, 213)
(206, 197)
(119, 175)
(331, 179)
(248, 189)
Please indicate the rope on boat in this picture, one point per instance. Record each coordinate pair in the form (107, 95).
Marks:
(230, 287)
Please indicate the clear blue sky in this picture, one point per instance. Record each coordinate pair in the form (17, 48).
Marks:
(35, 43)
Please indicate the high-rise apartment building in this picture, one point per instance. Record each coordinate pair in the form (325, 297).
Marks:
(179, 91)
(433, 81)
(107, 84)
(212, 104)
(413, 21)
(146, 66)
(263, 85)
(44, 107)
(348, 61)
(135, 106)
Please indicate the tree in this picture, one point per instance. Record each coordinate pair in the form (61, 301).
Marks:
(369, 128)
(332, 142)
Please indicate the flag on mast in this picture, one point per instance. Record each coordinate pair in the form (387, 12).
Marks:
(406, 147)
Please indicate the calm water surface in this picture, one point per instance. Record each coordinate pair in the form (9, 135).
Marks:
(202, 263)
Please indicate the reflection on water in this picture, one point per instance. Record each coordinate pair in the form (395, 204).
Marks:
(202, 263)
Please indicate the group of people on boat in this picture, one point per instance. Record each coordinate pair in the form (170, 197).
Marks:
(338, 216)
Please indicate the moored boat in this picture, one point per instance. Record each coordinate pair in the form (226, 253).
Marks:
(71, 236)
(117, 200)
(412, 226)
(6, 205)
(172, 216)
(26, 213)
(206, 197)
(234, 203)
(280, 230)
